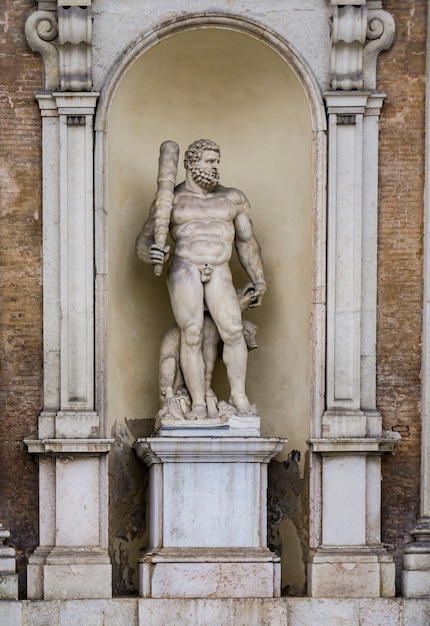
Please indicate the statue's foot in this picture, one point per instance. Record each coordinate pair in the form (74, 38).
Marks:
(198, 412)
(243, 405)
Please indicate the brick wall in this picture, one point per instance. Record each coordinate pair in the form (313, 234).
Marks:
(401, 76)
(20, 278)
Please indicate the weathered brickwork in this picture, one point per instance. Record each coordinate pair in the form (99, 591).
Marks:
(20, 278)
(401, 76)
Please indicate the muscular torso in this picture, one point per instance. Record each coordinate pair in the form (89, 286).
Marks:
(202, 226)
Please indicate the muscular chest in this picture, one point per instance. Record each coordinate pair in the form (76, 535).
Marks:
(190, 208)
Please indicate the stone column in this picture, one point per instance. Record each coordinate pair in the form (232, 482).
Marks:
(416, 560)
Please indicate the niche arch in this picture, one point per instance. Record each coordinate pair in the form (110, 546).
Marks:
(233, 81)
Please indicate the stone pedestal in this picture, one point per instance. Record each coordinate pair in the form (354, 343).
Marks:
(207, 518)
(416, 562)
(72, 559)
(8, 575)
(351, 561)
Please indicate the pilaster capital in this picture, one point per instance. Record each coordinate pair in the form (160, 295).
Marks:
(76, 103)
(374, 104)
(360, 30)
(346, 102)
(47, 105)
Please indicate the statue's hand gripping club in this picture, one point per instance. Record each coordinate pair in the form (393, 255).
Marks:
(166, 180)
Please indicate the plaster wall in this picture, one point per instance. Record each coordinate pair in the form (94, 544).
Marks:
(231, 88)
(303, 23)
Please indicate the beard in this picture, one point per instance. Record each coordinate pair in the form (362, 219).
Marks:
(206, 179)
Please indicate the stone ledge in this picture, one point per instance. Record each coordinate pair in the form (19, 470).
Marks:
(68, 446)
(207, 612)
(354, 445)
(208, 449)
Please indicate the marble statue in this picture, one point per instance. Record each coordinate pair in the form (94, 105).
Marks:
(204, 220)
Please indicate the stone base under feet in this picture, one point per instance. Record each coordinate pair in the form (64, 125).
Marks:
(209, 573)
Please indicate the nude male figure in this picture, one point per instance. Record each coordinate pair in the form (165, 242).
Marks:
(206, 220)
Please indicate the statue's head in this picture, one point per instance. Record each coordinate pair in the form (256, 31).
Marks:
(195, 150)
(201, 159)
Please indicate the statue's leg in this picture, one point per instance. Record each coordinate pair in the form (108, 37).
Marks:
(168, 363)
(223, 305)
(211, 340)
(186, 296)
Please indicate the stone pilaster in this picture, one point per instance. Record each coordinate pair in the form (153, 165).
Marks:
(350, 560)
(72, 560)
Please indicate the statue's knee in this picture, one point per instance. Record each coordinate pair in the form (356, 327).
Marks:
(233, 334)
(192, 335)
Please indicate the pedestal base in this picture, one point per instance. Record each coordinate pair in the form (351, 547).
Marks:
(416, 562)
(8, 575)
(416, 572)
(69, 574)
(333, 574)
(8, 586)
(217, 573)
(207, 522)
(72, 561)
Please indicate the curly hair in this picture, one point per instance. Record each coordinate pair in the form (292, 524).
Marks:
(196, 149)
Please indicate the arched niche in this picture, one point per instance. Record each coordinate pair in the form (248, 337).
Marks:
(251, 94)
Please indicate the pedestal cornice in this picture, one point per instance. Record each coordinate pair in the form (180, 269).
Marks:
(200, 449)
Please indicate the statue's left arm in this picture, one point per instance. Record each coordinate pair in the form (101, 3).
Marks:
(247, 246)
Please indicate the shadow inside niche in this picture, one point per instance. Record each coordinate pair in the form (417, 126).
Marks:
(288, 522)
(128, 479)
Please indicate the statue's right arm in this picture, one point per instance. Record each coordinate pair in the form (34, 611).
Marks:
(145, 238)
(146, 250)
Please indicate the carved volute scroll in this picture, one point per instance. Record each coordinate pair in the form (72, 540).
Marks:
(41, 29)
(62, 36)
(381, 31)
(359, 31)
